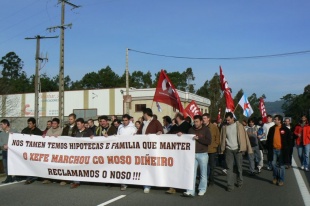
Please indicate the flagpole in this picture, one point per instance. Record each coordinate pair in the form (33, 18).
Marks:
(236, 108)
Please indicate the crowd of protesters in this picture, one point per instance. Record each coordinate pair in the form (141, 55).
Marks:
(224, 144)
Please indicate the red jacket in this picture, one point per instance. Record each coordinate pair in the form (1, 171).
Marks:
(153, 127)
(306, 134)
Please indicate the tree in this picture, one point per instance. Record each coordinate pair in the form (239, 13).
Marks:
(212, 90)
(13, 79)
(108, 78)
(67, 81)
(91, 81)
(189, 76)
(47, 84)
(238, 110)
(297, 105)
(140, 80)
(181, 81)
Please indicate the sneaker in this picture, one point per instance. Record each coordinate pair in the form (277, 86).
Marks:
(210, 184)
(46, 182)
(238, 185)
(123, 187)
(201, 193)
(62, 183)
(274, 181)
(146, 190)
(171, 191)
(74, 185)
(269, 168)
(302, 167)
(7, 180)
(186, 194)
(259, 169)
(281, 183)
(28, 182)
(225, 171)
(306, 169)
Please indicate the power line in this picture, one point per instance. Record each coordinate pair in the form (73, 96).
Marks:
(225, 58)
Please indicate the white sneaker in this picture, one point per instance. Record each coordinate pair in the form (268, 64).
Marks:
(146, 190)
(259, 169)
(201, 193)
(306, 169)
(302, 167)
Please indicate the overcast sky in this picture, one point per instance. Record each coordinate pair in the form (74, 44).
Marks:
(103, 29)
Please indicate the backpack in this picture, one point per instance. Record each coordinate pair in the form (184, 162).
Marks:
(260, 131)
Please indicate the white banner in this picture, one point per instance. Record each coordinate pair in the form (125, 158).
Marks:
(155, 160)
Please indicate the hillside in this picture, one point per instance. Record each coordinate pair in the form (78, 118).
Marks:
(274, 107)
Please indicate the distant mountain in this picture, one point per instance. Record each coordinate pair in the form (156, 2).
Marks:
(274, 107)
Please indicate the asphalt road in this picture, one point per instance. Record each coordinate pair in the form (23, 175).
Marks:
(257, 190)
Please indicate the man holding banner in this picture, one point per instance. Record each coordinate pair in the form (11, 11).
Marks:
(82, 132)
(150, 126)
(32, 130)
(126, 128)
(203, 139)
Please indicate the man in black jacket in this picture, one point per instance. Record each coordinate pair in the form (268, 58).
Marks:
(104, 128)
(278, 142)
(181, 125)
(82, 132)
(71, 128)
(32, 130)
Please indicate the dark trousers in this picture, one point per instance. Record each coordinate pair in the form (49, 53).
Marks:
(5, 161)
(231, 157)
(211, 165)
(5, 165)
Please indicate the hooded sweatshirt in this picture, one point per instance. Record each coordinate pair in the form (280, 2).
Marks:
(204, 138)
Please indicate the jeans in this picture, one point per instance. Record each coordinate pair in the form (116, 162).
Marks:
(201, 160)
(307, 151)
(261, 162)
(5, 166)
(231, 157)
(255, 155)
(278, 165)
(211, 167)
(300, 149)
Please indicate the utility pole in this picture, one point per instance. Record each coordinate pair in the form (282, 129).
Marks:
(127, 84)
(37, 75)
(62, 28)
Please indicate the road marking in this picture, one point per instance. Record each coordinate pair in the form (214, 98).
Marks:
(11, 183)
(302, 186)
(112, 200)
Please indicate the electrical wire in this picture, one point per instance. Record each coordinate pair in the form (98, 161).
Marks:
(225, 58)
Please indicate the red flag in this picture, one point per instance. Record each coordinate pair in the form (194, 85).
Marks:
(230, 107)
(166, 92)
(219, 115)
(262, 110)
(192, 109)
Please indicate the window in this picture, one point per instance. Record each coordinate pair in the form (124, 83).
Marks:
(140, 107)
(85, 113)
